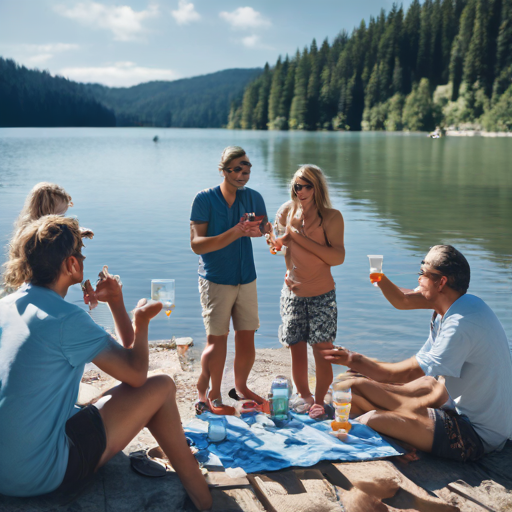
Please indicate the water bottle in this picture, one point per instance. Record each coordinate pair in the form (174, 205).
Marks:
(217, 429)
(341, 398)
(279, 397)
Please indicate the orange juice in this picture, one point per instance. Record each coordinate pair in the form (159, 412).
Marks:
(338, 425)
(375, 277)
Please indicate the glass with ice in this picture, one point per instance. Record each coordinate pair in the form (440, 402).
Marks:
(163, 290)
(375, 268)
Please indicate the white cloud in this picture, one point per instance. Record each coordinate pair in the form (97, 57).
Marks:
(36, 54)
(185, 13)
(251, 41)
(244, 18)
(119, 74)
(125, 23)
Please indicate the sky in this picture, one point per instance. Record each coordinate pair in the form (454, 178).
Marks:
(128, 42)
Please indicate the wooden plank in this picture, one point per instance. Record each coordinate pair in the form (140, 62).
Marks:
(235, 500)
(272, 490)
(489, 495)
(221, 480)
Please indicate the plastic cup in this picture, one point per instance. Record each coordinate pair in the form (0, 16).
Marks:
(163, 290)
(375, 267)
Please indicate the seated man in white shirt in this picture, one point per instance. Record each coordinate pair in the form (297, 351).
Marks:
(453, 398)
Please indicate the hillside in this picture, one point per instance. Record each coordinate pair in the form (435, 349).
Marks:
(200, 102)
(444, 63)
(35, 98)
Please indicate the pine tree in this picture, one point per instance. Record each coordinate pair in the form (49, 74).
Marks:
(276, 90)
(298, 109)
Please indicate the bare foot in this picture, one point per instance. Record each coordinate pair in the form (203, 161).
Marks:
(145, 311)
(410, 456)
(250, 395)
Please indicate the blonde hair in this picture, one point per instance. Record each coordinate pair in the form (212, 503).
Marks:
(39, 250)
(313, 175)
(229, 154)
(43, 199)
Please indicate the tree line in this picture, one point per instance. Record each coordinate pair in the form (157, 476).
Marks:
(444, 63)
(35, 98)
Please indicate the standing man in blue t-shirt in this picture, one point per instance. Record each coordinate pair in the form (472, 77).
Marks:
(220, 235)
(453, 398)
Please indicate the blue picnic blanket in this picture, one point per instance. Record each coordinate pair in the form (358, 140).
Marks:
(299, 441)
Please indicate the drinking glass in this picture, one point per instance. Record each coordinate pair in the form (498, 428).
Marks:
(163, 290)
(375, 268)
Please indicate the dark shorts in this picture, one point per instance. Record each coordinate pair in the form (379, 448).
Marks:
(87, 442)
(311, 319)
(454, 436)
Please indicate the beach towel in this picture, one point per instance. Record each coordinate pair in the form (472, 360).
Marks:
(255, 443)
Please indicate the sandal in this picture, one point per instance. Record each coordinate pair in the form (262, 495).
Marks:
(317, 412)
(264, 406)
(142, 463)
(217, 407)
(299, 405)
(201, 407)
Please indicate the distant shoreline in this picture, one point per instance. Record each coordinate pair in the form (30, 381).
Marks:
(475, 133)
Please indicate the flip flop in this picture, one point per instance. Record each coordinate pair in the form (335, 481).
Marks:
(317, 412)
(300, 406)
(144, 465)
(264, 406)
(201, 407)
(217, 407)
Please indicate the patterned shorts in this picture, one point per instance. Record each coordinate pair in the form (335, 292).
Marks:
(310, 319)
(454, 436)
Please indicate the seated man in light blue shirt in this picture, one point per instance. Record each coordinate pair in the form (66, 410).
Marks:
(45, 441)
(453, 398)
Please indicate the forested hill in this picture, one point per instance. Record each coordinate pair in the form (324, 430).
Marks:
(200, 102)
(441, 63)
(35, 98)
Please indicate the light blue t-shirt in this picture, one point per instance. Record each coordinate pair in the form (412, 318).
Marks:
(45, 343)
(234, 264)
(469, 347)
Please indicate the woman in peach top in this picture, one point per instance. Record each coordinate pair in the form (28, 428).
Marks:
(314, 241)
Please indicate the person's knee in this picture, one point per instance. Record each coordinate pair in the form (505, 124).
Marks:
(164, 384)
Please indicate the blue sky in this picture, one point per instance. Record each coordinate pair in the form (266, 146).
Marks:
(132, 41)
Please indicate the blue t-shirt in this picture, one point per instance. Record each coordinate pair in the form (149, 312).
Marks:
(469, 347)
(234, 264)
(45, 343)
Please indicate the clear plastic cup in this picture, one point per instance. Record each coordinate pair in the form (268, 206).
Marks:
(163, 290)
(375, 268)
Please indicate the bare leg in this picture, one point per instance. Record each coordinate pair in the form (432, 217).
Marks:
(415, 428)
(245, 355)
(299, 353)
(323, 373)
(212, 366)
(129, 409)
(420, 393)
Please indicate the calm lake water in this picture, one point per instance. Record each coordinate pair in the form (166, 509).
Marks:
(399, 194)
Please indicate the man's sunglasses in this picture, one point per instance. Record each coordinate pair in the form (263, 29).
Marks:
(238, 168)
(297, 187)
(428, 274)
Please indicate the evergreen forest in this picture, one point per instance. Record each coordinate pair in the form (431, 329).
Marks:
(442, 63)
(198, 102)
(35, 98)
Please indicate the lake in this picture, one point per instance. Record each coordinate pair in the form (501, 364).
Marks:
(399, 194)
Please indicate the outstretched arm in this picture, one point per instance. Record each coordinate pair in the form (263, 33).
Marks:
(404, 371)
(401, 298)
(202, 244)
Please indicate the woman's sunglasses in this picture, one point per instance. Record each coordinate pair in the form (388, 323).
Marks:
(297, 187)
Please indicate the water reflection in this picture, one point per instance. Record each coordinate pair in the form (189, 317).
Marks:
(399, 195)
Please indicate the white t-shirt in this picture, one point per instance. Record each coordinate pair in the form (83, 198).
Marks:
(469, 347)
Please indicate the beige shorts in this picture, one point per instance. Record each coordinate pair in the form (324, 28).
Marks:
(221, 302)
